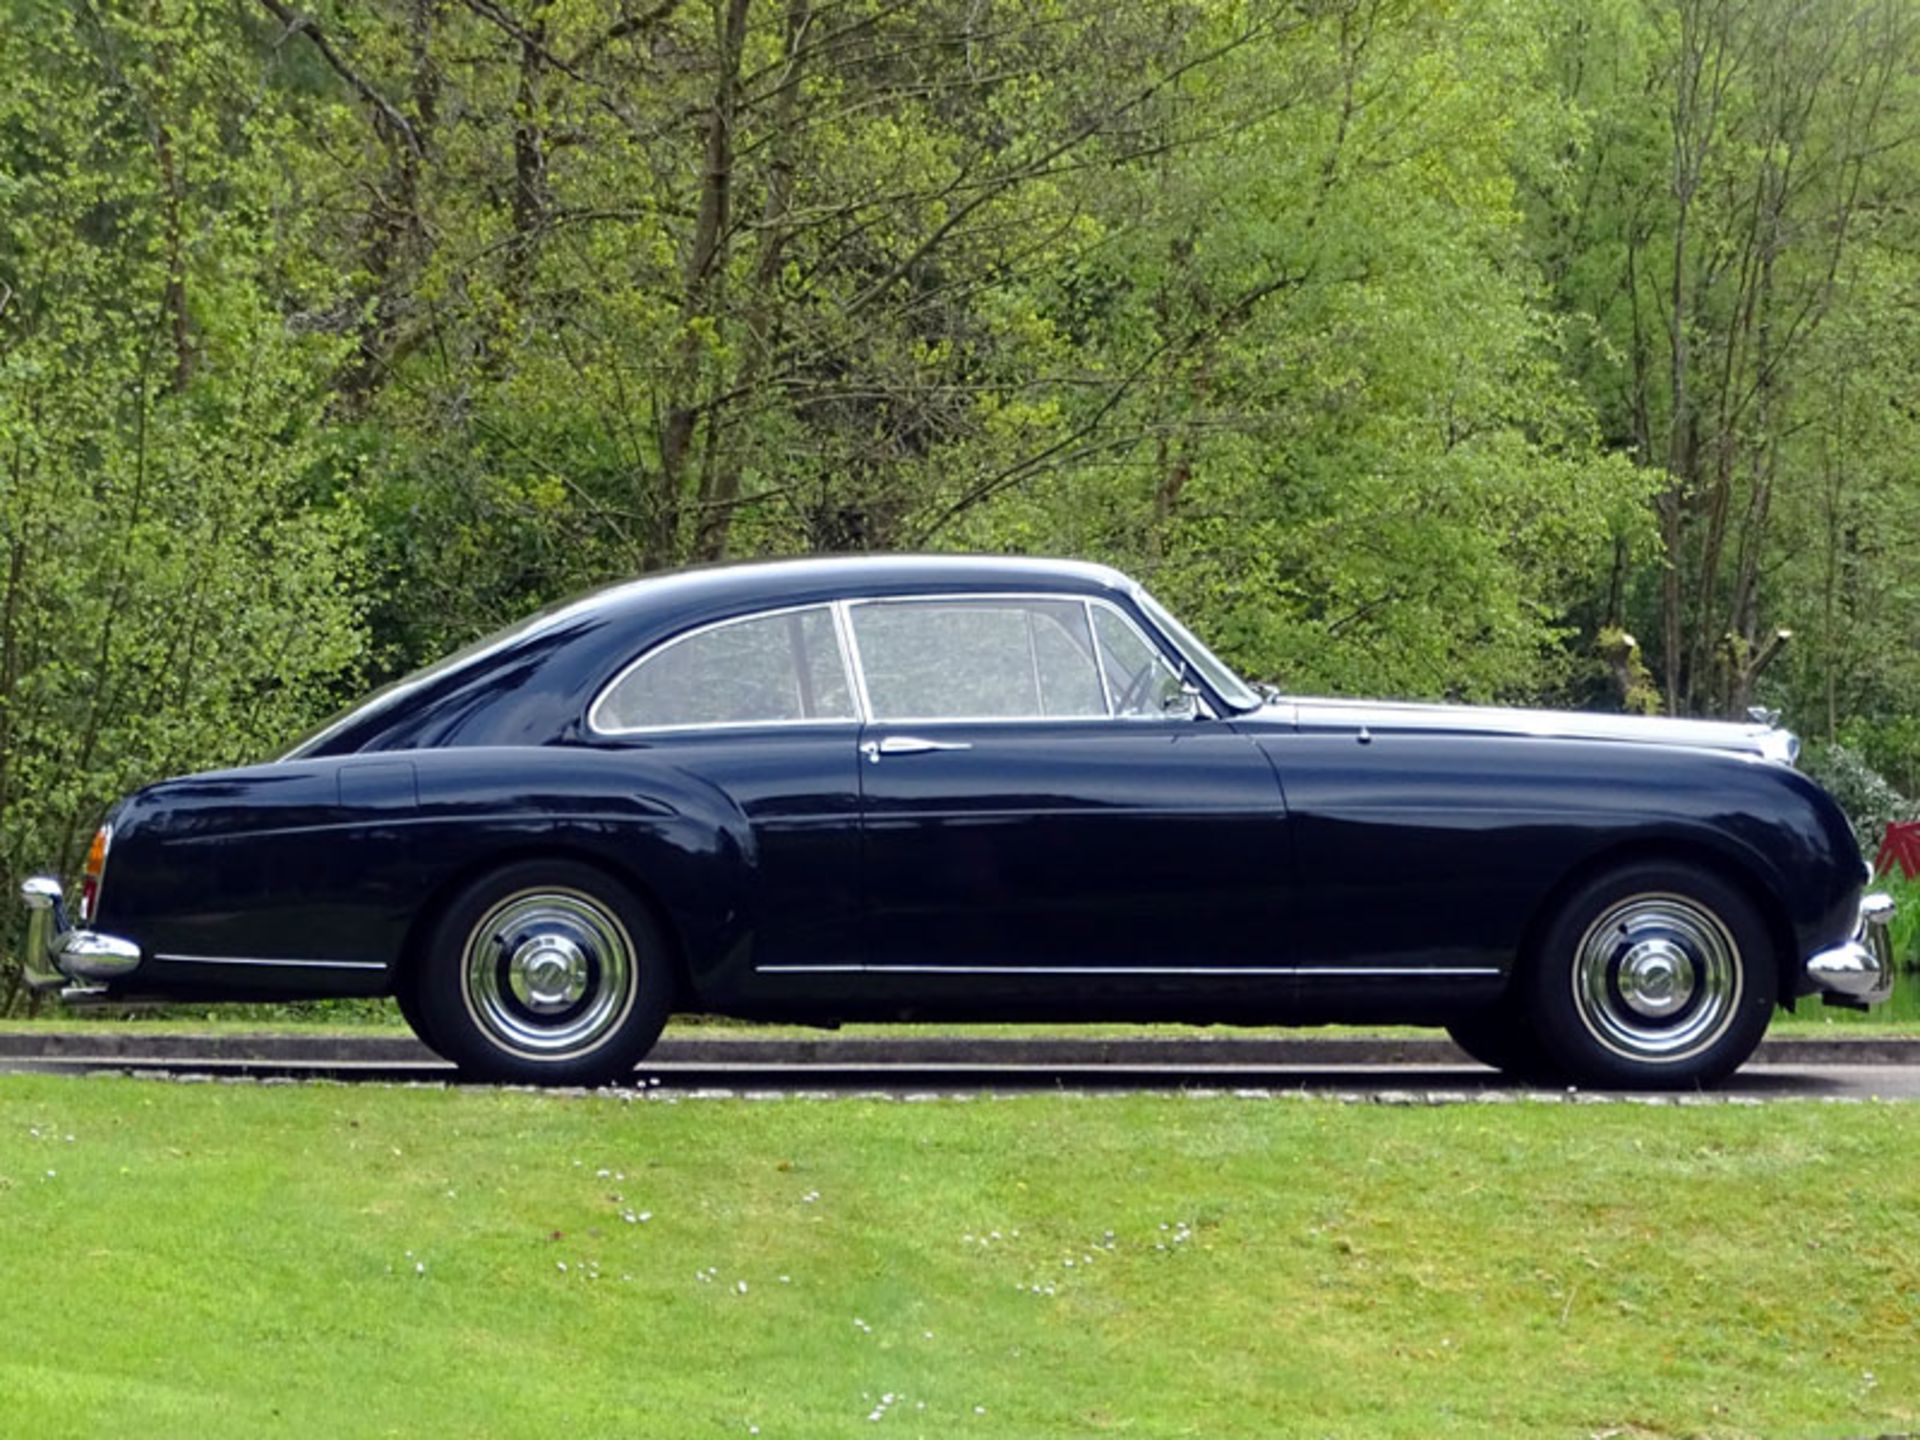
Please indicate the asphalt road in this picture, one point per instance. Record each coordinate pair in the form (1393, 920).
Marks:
(1414, 1084)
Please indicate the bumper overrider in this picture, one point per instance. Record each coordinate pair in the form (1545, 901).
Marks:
(1859, 972)
(57, 954)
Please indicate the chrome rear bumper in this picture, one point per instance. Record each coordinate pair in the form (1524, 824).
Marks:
(1859, 972)
(57, 954)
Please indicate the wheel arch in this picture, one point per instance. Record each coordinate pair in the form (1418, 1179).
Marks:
(1741, 873)
(419, 931)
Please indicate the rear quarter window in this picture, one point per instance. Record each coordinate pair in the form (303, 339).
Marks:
(786, 668)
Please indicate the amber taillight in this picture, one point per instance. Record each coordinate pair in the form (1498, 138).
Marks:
(96, 866)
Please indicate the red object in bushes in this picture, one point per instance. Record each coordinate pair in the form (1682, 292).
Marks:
(1900, 846)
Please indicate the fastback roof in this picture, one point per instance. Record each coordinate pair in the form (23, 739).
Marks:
(530, 682)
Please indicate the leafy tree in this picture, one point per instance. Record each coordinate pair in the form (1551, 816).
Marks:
(171, 597)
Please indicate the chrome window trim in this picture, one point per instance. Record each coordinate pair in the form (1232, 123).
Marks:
(700, 727)
(850, 647)
(1099, 655)
(1148, 603)
(846, 670)
(1033, 663)
(1181, 671)
(1158, 647)
(854, 669)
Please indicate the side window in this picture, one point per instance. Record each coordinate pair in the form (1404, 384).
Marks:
(767, 668)
(1139, 679)
(978, 659)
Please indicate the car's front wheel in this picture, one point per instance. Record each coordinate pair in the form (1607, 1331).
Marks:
(545, 971)
(1503, 1038)
(1653, 975)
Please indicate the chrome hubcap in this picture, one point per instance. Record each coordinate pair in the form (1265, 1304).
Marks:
(549, 974)
(1657, 978)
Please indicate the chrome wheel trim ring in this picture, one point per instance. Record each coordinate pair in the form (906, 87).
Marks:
(1657, 978)
(549, 974)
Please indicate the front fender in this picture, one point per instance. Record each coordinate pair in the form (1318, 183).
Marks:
(1433, 848)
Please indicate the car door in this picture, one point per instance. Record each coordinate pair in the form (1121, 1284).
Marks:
(762, 709)
(1044, 811)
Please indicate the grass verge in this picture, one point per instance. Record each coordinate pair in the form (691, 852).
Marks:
(210, 1261)
(1900, 1018)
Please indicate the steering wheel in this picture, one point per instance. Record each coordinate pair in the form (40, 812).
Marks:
(1136, 690)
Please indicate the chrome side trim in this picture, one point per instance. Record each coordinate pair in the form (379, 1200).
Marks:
(255, 960)
(1305, 972)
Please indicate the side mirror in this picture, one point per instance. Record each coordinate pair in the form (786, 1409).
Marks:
(1184, 702)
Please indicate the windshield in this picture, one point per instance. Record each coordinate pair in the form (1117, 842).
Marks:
(1230, 687)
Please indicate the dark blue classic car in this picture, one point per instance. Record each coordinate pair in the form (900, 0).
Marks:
(973, 789)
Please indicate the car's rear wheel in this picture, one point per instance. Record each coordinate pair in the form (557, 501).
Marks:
(546, 971)
(1653, 975)
(406, 994)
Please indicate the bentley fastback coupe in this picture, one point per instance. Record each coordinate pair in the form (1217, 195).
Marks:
(973, 789)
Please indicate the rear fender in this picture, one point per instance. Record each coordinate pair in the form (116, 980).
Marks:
(343, 859)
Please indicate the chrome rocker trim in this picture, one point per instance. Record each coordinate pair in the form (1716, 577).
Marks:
(57, 954)
(1859, 972)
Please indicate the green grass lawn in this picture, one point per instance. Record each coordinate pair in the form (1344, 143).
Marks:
(211, 1260)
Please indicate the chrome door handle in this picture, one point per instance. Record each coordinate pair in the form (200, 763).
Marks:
(907, 745)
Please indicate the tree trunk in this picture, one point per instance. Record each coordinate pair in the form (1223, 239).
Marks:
(702, 286)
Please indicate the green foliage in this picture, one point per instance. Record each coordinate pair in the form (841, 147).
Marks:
(1735, 270)
(1863, 792)
(170, 599)
(1890, 743)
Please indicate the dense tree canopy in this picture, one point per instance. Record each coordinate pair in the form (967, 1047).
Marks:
(1409, 347)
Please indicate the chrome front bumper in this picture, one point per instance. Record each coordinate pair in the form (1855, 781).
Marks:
(1858, 973)
(57, 954)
